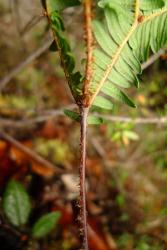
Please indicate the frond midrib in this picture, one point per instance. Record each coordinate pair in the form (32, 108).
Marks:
(135, 25)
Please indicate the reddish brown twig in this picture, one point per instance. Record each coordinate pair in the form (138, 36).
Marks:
(89, 51)
(82, 202)
(84, 109)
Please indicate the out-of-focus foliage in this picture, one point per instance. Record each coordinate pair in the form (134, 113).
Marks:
(56, 150)
(45, 224)
(16, 204)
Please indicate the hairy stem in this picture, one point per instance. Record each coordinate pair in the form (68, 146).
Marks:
(83, 212)
(89, 50)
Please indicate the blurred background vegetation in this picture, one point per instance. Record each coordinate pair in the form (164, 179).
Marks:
(127, 161)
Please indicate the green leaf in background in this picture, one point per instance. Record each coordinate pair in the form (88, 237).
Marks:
(131, 135)
(16, 204)
(58, 151)
(45, 224)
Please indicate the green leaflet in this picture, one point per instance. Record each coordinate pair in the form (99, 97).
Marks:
(103, 103)
(62, 45)
(144, 4)
(124, 40)
(73, 115)
(111, 90)
(115, 4)
(16, 204)
(45, 224)
(152, 4)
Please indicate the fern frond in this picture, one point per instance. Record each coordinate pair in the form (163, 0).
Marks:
(131, 29)
(61, 44)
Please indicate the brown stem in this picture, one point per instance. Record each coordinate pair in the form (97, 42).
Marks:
(89, 50)
(83, 212)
